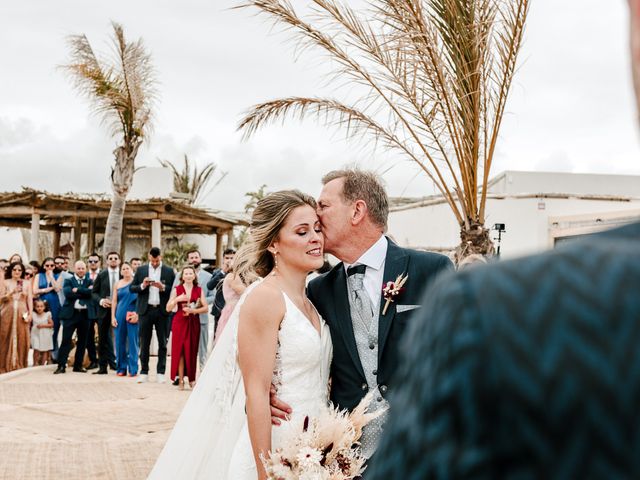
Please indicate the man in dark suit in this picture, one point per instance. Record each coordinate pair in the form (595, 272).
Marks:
(102, 294)
(365, 326)
(152, 282)
(73, 316)
(524, 369)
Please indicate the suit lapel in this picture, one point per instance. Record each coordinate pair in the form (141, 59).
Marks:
(395, 264)
(343, 315)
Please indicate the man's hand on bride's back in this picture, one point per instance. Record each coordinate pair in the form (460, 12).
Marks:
(279, 409)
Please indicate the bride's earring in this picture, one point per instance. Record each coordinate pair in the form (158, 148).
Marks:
(275, 258)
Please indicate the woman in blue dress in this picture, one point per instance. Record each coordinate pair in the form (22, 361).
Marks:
(125, 320)
(46, 286)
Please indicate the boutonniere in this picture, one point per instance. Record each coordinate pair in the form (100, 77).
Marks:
(390, 290)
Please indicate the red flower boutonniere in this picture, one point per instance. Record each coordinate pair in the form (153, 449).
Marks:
(391, 290)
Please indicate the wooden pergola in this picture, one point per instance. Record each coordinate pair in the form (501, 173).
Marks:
(87, 214)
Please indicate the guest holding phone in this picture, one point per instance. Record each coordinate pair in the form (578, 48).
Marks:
(16, 304)
(152, 282)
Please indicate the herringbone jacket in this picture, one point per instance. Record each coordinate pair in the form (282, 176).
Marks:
(526, 369)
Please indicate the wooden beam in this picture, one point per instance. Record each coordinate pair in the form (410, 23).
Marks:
(56, 241)
(156, 233)
(34, 246)
(187, 220)
(91, 235)
(77, 239)
(219, 249)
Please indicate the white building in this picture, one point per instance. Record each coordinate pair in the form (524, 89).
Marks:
(538, 210)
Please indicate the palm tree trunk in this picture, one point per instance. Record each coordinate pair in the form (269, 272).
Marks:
(121, 181)
(634, 40)
(474, 239)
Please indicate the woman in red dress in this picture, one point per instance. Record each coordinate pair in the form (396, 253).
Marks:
(190, 301)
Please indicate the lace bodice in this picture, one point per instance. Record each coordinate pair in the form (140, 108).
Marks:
(302, 364)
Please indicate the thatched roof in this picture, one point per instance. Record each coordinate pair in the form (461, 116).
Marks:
(61, 212)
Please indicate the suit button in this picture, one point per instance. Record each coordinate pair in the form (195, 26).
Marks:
(372, 346)
(365, 387)
(379, 399)
(375, 372)
(383, 388)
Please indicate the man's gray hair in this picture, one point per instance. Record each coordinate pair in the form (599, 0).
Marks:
(366, 186)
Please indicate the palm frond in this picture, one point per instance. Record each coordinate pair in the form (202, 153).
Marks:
(436, 76)
(192, 181)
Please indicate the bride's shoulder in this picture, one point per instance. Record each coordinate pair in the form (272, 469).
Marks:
(265, 302)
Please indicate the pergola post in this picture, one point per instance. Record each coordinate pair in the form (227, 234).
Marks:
(219, 249)
(91, 235)
(34, 246)
(230, 238)
(156, 233)
(77, 239)
(56, 240)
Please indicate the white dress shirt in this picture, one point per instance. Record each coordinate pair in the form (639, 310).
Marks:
(374, 259)
(77, 305)
(154, 292)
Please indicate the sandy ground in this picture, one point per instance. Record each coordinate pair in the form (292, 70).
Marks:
(83, 426)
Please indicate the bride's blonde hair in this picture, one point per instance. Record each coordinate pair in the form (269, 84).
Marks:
(254, 260)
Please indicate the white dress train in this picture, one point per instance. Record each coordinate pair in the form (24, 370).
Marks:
(210, 439)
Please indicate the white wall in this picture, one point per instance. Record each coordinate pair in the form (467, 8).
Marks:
(527, 225)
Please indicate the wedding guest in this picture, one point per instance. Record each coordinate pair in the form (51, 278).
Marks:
(152, 282)
(16, 303)
(190, 301)
(125, 321)
(16, 258)
(47, 284)
(215, 284)
(232, 288)
(93, 262)
(41, 333)
(102, 294)
(135, 262)
(74, 317)
(525, 368)
(195, 260)
(62, 265)
(29, 274)
(35, 266)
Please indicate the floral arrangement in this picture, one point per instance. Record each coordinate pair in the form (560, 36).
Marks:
(390, 290)
(327, 448)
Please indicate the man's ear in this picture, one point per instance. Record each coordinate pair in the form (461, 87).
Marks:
(360, 212)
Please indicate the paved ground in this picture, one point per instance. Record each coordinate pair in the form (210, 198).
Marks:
(83, 426)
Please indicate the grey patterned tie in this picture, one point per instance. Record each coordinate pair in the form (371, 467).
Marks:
(361, 299)
(365, 326)
(112, 281)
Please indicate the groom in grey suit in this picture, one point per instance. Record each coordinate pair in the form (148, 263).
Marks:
(365, 328)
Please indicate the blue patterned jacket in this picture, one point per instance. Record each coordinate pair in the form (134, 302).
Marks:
(525, 369)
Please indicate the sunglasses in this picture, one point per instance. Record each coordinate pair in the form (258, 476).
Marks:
(113, 258)
(59, 263)
(93, 261)
(49, 265)
(28, 274)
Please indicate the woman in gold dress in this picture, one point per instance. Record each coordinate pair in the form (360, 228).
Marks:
(16, 305)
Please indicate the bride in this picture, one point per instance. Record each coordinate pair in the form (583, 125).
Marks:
(274, 338)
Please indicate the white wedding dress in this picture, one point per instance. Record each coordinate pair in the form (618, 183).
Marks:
(210, 439)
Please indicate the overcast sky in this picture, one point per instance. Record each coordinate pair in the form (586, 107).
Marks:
(571, 107)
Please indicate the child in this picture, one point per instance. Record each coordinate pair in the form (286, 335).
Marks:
(41, 333)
